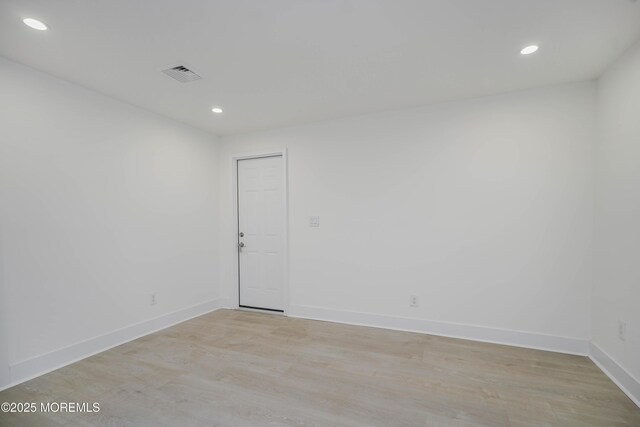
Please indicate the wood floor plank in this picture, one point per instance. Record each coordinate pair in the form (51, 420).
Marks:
(234, 368)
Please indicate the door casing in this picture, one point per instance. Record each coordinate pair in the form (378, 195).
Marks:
(285, 201)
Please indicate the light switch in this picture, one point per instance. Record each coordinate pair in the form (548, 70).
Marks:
(314, 221)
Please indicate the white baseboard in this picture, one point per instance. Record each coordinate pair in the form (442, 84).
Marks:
(620, 376)
(40, 365)
(27, 369)
(582, 347)
(452, 330)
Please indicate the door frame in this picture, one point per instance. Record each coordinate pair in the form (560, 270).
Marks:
(285, 200)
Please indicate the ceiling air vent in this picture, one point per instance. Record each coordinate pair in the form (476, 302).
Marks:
(181, 74)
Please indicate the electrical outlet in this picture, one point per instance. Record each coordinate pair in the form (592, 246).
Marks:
(314, 221)
(153, 300)
(622, 330)
(414, 301)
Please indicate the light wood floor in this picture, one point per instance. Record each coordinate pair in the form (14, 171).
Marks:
(232, 368)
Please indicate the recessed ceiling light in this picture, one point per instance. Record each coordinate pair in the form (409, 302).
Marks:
(217, 110)
(529, 50)
(35, 24)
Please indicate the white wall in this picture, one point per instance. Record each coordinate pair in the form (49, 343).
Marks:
(616, 292)
(483, 208)
(5, 376)
(101, 203)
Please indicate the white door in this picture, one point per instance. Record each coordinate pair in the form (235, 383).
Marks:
(261, 233)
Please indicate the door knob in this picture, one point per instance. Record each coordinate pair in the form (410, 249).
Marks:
(241, 245)
(241, 234)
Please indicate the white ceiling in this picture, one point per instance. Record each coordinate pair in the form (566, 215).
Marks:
(271, 63)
